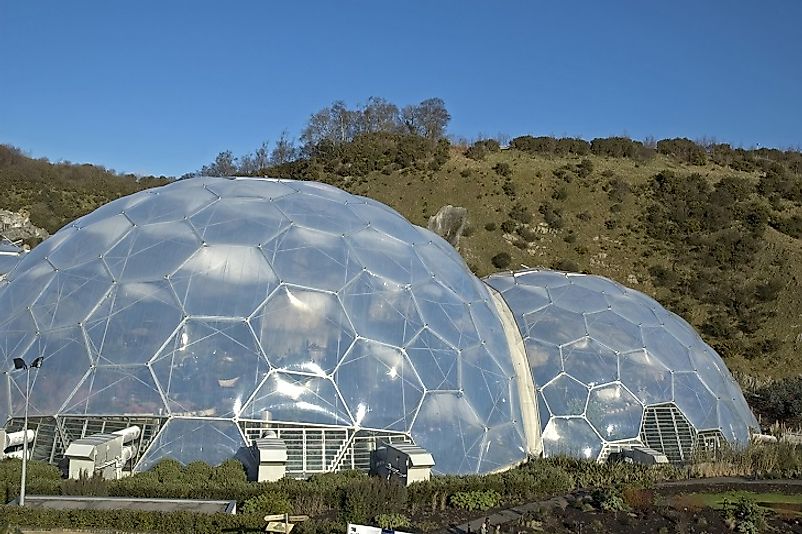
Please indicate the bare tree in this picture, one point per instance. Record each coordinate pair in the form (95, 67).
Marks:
(225, 164)
(428, 119)
(284, 151)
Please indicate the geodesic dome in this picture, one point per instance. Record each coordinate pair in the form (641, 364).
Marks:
(211, 311)
(613, 367)
(10, 256)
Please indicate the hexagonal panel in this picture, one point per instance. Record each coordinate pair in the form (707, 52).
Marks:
(71, 295)
(16, 333)
(151, 252)
(297, 399)
(169, 205)
(320, 213)
(249, 188)
(555, 325)
(436, 362)
(633, 308)
(209, 368)
(665, 347)
(565, 396)
(446, 313)
(733, 425)
(116, 391)
(239, 221)
(647, 378)
(449, 269)
(572, 437)
(502, 446)
(379, 386)
(133, 322)
(190, 440)
(313, 259)
(387, 221)
(577, 299)
(387, 257)
(381, 310)
(224, 281)
(487, 387)
(526, 299)
(90, 242)
(451, 431)
(611, 329)
(492, 334)
(65, 363)
(590, 362)
(302, 330)
(25, 285)
(695, 400)
(614, 412)
(709, 367)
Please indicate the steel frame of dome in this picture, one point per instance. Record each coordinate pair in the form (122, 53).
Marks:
(602, 355)
(210, 311)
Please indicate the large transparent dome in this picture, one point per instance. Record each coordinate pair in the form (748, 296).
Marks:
(614, 367)
(10, 255)
(226, 308)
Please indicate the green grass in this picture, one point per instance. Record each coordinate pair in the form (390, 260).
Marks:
(773, 501)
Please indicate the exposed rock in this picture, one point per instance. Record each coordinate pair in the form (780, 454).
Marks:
(632, 280)
(17, 226)
(449, 223)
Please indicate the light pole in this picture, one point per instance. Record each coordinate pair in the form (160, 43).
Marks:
(19, 363)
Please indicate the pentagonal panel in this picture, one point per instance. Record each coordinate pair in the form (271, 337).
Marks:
(297, 399)
(695, 400)
(311, 258)
(116, 391)
(190, 440)
(646, 377)
(209, 368)
(614, 412)
(133, 322)
(435, 361)
(302, 330)
(572, 437)
(387, 257)
(451, 431)
(590, 362)
(381, 310)
(578, 299)
(65, 363)
(611, 329)
(151, 252)
(379, 386)
(544, 359)
(90, 242)
(169, 205)
(317, 212)
(223, 280)
(446, 313)
(486, 386)
(239, 221)
(71, 295)
(555, 325)
(665, 347)
(245, 188)
(565, 396)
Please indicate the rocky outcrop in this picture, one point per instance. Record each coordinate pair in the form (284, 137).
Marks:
(449, 223)
(17, 226)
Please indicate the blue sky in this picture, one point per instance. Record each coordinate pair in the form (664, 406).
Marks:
(161, 87)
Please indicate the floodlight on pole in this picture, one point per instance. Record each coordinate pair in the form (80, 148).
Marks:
(19, 363)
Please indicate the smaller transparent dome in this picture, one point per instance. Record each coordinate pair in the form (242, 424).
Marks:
(612, 366)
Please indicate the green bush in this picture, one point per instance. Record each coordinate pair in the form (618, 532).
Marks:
(490, 227)
(392, 521)
(501, 260)
(744, 515)
(502, 168)
(475, 500)
(520, 213)
(270, 502)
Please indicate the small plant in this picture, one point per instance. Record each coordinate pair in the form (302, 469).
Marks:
(392, 521)
(475, 500)
(502, 168)
(490, 227)
(744, 516)
(609, 500)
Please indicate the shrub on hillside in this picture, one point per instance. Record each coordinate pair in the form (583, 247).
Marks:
(501, 260)
(502, 168)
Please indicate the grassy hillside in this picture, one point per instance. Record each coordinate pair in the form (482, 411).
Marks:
(719, 245)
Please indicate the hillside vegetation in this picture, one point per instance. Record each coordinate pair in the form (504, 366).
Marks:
(711, 232)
